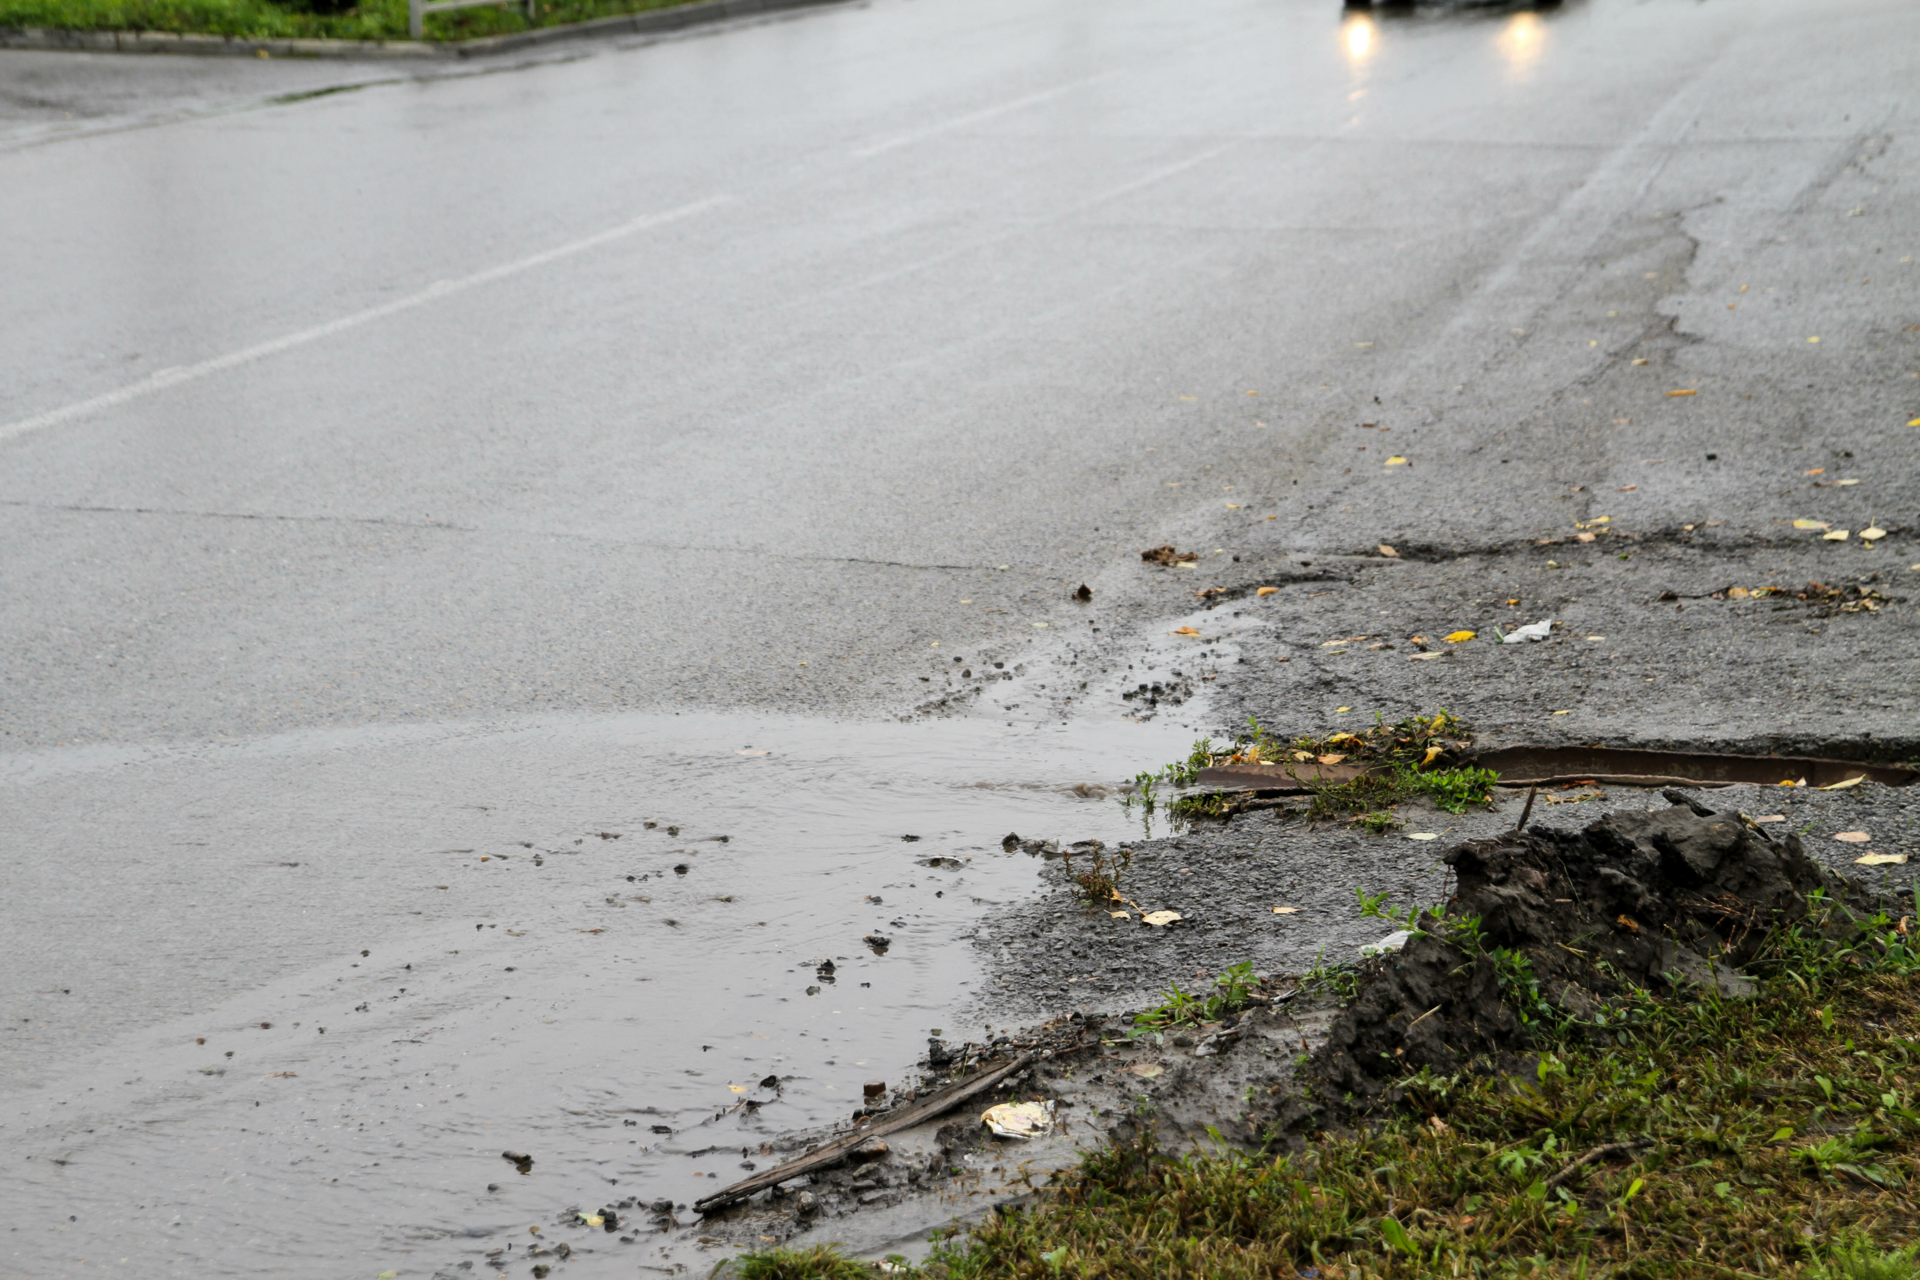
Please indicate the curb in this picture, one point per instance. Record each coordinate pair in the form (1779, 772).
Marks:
(651, 22)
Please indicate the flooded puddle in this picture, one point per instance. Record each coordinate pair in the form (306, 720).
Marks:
(595, 942)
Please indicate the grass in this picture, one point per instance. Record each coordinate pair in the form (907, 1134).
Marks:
(1100, 882)
(1775, 1136)
(1403, 754)
(1231, 993)
(302, 19)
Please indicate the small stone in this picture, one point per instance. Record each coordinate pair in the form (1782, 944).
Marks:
(807, 1203)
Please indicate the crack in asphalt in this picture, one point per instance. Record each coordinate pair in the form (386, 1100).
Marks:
(449, 526)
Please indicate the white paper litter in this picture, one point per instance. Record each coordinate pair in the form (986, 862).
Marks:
(1019, 1119)
(1534, 631)
(1392, 942)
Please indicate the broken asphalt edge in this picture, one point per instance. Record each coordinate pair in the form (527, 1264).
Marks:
(650, 22)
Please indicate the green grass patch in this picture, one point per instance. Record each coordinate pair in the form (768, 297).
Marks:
(1773, 1136)
(303, 19)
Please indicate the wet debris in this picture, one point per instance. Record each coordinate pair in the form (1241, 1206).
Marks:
(1167, 555)
(1083, 594)
(878, 943)
(1021, 1120)
(522, 1162)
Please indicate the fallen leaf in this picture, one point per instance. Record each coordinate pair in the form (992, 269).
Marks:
(1872, 535)
(1233, 506)
(1640, 361)
(1813, 339)
(1422, 657)
(282, 1075)
(1626, 488)
(1303, 755)
(1160, 919)
(738, 1088)
(1266, 591)
(744, 752)
(1834, 535)
(1817, 471)
(1286, 911)
(594, 1219)
(1118, 915)
(1584, 537)
(1147, 1070)
(1423, 835)
(1683, 393)
(1844, 483)
(1431, 753)
(1386, 550)
(1339, 711)
(1563, 713)
(1809, 524)
(1842, 786)
(1184, 631)
(1853, 837)
(1772, 817)
(1880, 859)
(1330, 759)
(1737, 593)
(1343, 737)
(1461, 637)
(1396, 461)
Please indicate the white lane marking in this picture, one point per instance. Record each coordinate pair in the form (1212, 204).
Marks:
(976, 117)
(438, 289)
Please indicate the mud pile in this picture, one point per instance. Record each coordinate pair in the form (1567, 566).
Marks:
(1659, 900)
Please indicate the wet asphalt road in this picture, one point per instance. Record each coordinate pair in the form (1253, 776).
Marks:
(773, 369)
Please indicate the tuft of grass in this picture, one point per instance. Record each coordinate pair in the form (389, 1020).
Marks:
(1100, 882)
(1232, 992)
(821, 1262)
(1773, 1136)
(303, 19)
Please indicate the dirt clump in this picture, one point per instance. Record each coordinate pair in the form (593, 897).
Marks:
(1559, 926)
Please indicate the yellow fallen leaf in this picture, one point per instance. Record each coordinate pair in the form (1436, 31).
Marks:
(1843, 785)
(1386, 550)
(1330, 759)
(1118, 915)
(594, 1219)
(1817, 471)
(1683, 393)
(1286, 911)
(1853, 837)
(1834, 535)
(1880, 859)
(1269, 517)
(1233, 506)
(1422, 657)
(1563, 713)
(1872, 535)
(738, 1088)
(1147, 1070)
(1342, 737)
(1266, 591)
(1737, 593)
(1844, 483)
(1584, 537)
(1461, 637)
(1813, 339)
(1396, 461)
(1914, 423)
(1809, 524)
(1303, 755)
(1341, 710)
(1160, 919)
(1640, 361)
(1431, 753)
(1423, 835)
(1184, 631)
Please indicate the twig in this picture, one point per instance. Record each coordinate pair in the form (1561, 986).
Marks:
(1528, 811)
(841, 1147)
(1598, 1153)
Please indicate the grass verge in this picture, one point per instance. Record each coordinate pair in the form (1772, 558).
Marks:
(1772, 1136)
(304, 19)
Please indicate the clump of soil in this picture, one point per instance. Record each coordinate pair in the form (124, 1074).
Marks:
(1568, 922)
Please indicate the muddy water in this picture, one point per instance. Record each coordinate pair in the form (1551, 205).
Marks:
(409, 950)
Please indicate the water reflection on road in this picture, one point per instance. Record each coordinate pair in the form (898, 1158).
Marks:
(590, 941)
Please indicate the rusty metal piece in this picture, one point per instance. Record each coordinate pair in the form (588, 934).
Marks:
(1543, 766)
